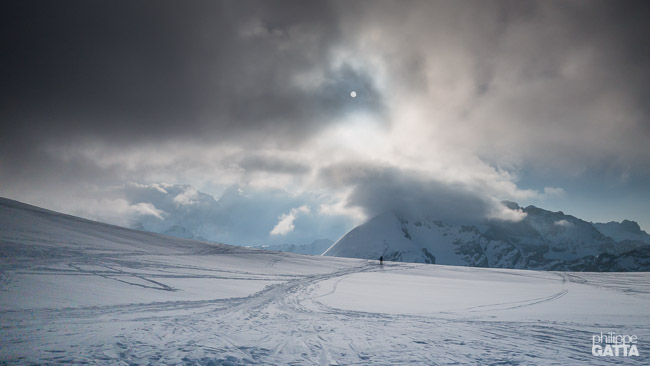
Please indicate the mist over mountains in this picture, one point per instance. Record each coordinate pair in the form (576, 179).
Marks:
(247, 218)
(543, 240)
(274, 220)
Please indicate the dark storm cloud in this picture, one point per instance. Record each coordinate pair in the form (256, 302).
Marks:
(130, 72)
(378, 189)
(526, 74)
(139, 70)
(548, 85)
(134, 70)
(272, 164)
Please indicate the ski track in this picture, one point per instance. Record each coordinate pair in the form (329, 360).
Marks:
(161, 305)
(282, 324)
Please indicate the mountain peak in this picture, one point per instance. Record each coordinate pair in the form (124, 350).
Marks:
(631, 226)
(542, 240)
(624, 230)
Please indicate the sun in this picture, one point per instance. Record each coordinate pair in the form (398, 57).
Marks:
(353, 94)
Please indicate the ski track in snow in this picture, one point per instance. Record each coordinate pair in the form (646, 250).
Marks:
(283, 324)
(74, 292)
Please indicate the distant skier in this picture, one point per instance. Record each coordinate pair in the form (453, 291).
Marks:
(381, 260)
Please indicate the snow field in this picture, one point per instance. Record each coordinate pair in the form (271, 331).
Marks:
(78, 292)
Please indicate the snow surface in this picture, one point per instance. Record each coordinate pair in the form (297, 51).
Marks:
(74, 291)
(388, 236)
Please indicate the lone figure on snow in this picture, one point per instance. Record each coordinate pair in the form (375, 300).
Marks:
(381, 260)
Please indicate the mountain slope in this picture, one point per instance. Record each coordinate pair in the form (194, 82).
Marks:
(398, 239)
(49, 259)
(625, 230)
(542, 240)
(74, 291)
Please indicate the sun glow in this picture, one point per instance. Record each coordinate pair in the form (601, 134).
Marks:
(360, 135)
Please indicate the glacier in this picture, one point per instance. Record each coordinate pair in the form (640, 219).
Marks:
(74, 291)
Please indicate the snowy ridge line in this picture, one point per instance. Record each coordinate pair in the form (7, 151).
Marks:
(536, 242)
(67, 219)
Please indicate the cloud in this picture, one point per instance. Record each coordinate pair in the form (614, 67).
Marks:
(377, 189)
(117, 211)
(237, 215)
(554, 191)
(144, 208)
(209, 71)
(160, 187)
(563, 223)
(458, 102)
(188, 197)
(509, 92)
(285, 223)
(272, 163)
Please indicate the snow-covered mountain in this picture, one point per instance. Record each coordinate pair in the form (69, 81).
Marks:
(624, 230)
(75, 291)
(542, 240)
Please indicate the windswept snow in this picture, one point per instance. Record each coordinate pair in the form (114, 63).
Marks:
(74, 291)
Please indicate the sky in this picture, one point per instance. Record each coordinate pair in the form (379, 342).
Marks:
(459, 105)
